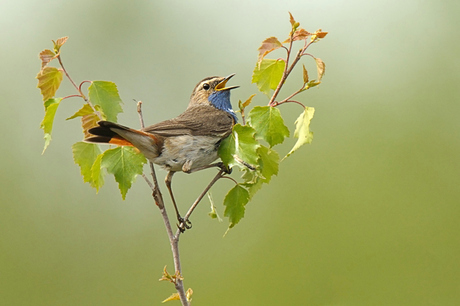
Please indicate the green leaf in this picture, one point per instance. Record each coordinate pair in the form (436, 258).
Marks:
(84, 155)
(268, 166)
(105, 94)
(97, 173)
(85, 110)
(235, 202)
(268, 162)
(267, 75)
(125, 164)
(49, 80)
(89, 118)
(51, 106)
(302, 129)
(240, 148)
(269, 124)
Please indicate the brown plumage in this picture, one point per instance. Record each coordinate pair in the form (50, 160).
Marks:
(186, 143)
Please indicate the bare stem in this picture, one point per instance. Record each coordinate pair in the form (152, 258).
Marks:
(173, 240)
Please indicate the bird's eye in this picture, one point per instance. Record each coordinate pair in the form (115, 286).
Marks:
(205, 86)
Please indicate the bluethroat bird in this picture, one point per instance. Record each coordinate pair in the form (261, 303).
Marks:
(186, 143)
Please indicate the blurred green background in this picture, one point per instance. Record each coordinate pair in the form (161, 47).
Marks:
(366, 215)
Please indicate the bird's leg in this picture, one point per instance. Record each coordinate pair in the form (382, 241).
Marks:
(218, 165)
(182, 225)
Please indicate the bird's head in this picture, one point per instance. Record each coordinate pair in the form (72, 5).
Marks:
(213, 91)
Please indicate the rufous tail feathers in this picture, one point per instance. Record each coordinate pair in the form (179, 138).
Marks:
(117, 134)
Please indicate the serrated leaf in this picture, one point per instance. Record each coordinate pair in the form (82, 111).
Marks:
(239, 148)
(267, 74)
(305, 74)
(97, 173)
(46, 56)
(269, 124)
(85, 155)
(125, 164)
(269, 163)
(253, 187)
(85, 110)
(299, 34)
(302, 129)
(51, 106)
(88, 122)
(268, 45)
(321, 67)
(49, 80)
(89, 117)
(268, 166)
(59, 42)
(235, 202)
(105, 94)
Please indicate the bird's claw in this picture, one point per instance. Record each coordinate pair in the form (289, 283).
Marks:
(224, 168)
(183, 224)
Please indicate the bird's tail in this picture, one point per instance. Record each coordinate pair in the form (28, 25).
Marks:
(117, 134)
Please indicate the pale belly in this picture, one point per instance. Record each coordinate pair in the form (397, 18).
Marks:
(185, 153)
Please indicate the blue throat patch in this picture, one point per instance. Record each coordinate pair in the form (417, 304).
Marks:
(221, 100)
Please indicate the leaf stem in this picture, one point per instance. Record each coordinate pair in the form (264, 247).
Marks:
(289, 101)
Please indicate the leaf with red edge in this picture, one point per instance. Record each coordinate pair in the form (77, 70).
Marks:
(59, 42)
(46, 56)
(319, 34)
(268, 45)
(299, 34)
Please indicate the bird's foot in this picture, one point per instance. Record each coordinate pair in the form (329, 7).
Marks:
(224, 168)
(183, 224)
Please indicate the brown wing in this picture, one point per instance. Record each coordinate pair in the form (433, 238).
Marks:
(198, 121)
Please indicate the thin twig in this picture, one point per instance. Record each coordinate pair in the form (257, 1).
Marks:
(78, 88)
(288, 69)
(288, 101)
(173, 240)
(139, 111)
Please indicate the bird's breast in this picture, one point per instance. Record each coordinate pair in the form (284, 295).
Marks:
(188, 150)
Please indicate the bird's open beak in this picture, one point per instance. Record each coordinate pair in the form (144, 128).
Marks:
(221, 85)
